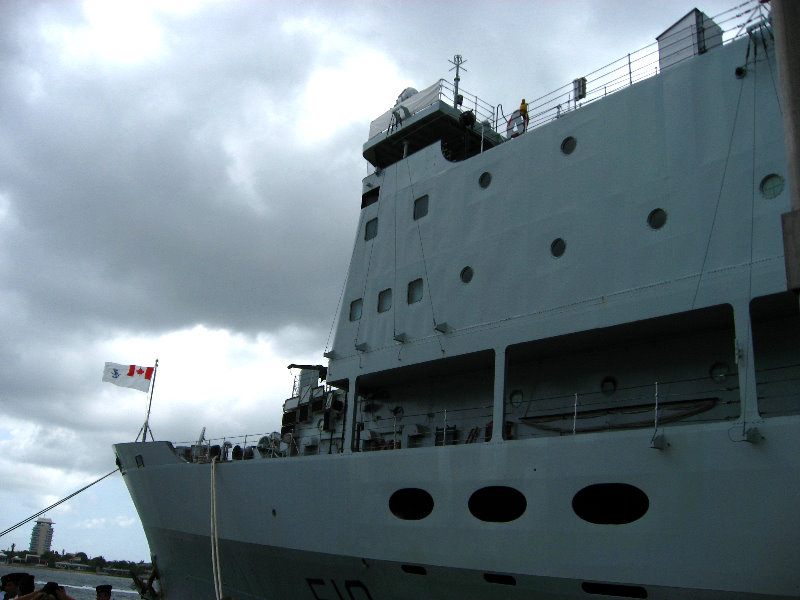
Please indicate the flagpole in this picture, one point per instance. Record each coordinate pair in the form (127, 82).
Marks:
(146, 426)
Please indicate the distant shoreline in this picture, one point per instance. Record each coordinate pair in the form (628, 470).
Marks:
(25, 567)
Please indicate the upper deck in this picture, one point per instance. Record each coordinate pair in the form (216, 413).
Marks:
(468, 125)
(465, 128)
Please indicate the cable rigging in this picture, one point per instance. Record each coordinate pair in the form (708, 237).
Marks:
(41, 512)
(424, 261)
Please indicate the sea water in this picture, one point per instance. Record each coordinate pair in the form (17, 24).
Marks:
(79, 585)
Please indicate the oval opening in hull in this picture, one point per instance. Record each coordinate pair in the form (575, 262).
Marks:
(610, 503)
(411, 504)
(497, 504)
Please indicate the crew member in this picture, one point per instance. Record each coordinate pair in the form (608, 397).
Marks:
(523, 111)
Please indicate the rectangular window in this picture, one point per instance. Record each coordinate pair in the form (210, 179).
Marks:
(385, 300)
(370, 197)
(415, 291)
(420, 207)
(371, 229)
(355, 309)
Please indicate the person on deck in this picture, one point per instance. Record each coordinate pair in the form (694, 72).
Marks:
(523, 111)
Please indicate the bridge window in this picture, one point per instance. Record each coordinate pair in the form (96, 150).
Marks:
(415, 291)
(385, 300)
(370, 197)
(355, 309)
(420, 207)
(371, 229)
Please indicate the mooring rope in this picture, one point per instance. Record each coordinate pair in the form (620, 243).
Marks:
(41, 512)
(214, 534)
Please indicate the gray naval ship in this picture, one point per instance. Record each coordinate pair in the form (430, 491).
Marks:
(566, 363)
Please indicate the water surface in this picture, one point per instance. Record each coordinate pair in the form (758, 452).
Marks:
(79, 585)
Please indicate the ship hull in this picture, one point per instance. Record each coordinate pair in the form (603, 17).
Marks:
(271, 572)
(720, 522)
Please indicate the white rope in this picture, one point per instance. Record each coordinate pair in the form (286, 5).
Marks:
(575, 414)
(655, 416)
(214, 534)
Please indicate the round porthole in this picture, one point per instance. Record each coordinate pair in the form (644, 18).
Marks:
(411, 504)
(657, 218)
(485, 179)
(609, 385)
(558, 247)
(466, 274)
(568, 145)
(771, 186)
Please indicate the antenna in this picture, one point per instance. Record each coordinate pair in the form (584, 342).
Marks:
(457, 62)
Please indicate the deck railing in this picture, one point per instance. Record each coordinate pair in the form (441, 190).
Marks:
(632, 68)
(640, 64)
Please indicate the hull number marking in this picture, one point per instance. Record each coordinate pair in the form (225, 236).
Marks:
(354, 589)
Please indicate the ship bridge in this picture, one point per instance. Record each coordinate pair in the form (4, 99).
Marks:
(464, 123)
(467, 125)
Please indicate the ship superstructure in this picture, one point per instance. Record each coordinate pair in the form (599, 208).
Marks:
(565, 366)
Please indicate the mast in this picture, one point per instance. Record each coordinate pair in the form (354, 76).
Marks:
(146, 427)
(786, 22)
(457, 61)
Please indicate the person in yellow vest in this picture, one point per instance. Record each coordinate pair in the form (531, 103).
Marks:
(523, 111)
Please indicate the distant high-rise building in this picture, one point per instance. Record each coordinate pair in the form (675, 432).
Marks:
(41, 536)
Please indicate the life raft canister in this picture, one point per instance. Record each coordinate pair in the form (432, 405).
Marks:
(515, 125)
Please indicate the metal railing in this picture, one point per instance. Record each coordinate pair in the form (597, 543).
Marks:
(484, 112)
(632, 68)
(443, 427)
(639, 65)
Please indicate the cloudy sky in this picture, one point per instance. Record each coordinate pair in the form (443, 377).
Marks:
(181, 180)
